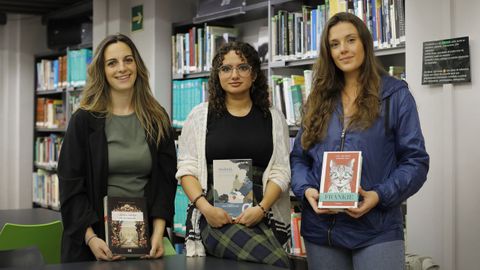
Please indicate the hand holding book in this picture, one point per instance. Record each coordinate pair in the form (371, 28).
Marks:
(312, 195)
(98, 247)
(217, 217)
(250, 217)
(101, 251)
(370, 200)
(157, 249)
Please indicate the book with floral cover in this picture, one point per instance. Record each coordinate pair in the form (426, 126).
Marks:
(126, 226)
(233, 185)
(341, 172)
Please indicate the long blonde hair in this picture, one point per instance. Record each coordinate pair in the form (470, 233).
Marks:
(96, 96)
(328, 82)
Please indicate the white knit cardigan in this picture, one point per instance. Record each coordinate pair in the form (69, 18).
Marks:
(192, 161)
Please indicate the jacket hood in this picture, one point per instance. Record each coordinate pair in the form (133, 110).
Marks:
(390, 85)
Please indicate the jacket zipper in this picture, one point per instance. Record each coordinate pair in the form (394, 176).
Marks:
(342, 138)
(342, 144)
(330, 243)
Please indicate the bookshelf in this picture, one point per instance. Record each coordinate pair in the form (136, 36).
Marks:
(291, 28)
(60, 77)
(284, 20)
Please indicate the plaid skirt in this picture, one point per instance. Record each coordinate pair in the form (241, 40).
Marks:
(239, 242)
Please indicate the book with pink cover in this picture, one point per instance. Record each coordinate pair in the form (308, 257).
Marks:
(341, 172)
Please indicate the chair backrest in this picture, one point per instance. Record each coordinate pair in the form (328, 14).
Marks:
(168, 247)
(23, 257)
(46, 237)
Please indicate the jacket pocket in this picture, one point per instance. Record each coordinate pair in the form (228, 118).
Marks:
(374, 219)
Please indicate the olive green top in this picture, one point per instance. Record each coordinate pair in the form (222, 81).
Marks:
(129, 158)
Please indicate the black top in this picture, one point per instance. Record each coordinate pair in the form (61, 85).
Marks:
(83, 174)
(232, 137)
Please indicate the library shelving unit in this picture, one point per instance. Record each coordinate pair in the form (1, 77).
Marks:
(291, 30)
(59, 79)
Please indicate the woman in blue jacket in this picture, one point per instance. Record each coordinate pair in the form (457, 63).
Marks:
(354, 106)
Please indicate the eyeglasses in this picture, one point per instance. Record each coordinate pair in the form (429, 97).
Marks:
(243, 70)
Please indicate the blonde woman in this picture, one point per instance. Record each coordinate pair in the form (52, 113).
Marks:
(119, 143)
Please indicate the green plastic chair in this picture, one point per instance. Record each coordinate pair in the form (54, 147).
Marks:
(169, 250)
(46, 237)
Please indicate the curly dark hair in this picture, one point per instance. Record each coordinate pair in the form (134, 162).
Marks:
(259, 91)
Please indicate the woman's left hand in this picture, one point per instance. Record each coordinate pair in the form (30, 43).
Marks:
(370, 200)
(250, 217)
(157, 247)
(157, 240)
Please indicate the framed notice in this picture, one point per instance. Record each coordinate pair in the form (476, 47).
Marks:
(446, 61)
(216, 9)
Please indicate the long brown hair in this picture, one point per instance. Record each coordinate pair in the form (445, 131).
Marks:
(259, 91)
(96, 96)
(328, 82)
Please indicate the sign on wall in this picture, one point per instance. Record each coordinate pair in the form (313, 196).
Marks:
(446, 61)
(215, 9)
(137, 18)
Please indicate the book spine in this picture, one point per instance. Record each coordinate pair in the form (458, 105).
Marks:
(106, 221)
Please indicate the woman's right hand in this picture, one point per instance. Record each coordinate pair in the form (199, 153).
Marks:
(101, 251)
(216, 217)
(312, 195)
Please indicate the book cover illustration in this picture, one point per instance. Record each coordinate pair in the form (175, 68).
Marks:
(232, 185)
(340, 180)
(126, 226)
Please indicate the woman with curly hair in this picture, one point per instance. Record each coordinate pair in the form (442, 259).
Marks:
(237, 122)
(355, 106)
(119, 143)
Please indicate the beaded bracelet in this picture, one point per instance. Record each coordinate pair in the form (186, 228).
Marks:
(263, 209)
(194, 202)
(90, 238)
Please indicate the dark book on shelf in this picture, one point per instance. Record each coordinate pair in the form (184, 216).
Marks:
(340, 181)
(233, 185)
(126, 226)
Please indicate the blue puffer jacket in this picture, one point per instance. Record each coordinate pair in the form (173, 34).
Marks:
(395, 165)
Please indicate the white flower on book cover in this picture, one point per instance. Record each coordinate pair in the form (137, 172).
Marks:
(232, 184)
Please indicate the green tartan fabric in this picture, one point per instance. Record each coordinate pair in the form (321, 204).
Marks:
(239, 242)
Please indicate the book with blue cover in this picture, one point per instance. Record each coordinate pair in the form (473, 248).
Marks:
(233, 185)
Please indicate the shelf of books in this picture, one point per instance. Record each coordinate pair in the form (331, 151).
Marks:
(195, 43)
(292, 30)
(60, 77)
(296, 29)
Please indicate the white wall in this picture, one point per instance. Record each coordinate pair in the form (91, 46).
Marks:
(443, 219)
(24, 36)
(153, 42)
(21, 38)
